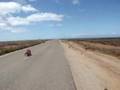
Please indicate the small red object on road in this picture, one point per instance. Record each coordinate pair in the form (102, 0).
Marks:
(28, 52)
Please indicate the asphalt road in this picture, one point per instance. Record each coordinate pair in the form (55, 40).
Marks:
(47, 69)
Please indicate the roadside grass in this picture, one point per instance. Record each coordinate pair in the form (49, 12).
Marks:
(10, 46)
(107, 46)
(114, 51)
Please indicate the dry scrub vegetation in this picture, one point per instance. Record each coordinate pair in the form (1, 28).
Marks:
(10, 46)
(107, 46)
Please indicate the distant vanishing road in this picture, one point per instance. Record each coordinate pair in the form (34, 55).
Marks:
(47, 69)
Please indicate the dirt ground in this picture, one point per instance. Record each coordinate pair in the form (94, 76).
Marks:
(92, 70)
(110, 48)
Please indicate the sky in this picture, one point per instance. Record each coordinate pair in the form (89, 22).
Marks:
(54, 19)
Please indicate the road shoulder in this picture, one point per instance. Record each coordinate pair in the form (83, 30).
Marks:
(93, 71)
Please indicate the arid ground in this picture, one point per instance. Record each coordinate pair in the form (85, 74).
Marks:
(95, 64)
(10, 46)
(63, 65)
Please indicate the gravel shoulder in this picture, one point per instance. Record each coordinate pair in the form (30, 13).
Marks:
(92, 70)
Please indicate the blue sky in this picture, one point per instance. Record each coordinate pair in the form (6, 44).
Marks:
(42, 19)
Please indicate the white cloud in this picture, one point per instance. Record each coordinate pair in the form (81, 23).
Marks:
(16, 21)
(75, 2)
(13, 7)
(37, 17)
(12, 29)
(44, 17)
(9, 22)
(28, 8)
(2, 24)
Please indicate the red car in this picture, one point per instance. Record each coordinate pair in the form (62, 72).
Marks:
(28, 52)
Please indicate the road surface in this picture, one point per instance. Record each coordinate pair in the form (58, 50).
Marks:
(56, 65)
(47, 69)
